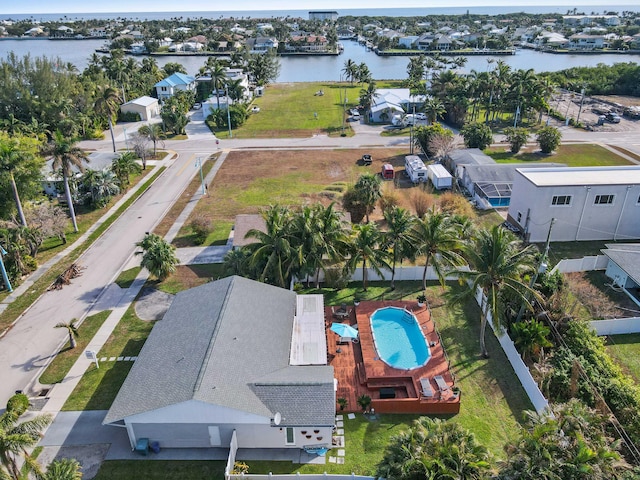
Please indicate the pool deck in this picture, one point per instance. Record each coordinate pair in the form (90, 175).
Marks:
(359, 371)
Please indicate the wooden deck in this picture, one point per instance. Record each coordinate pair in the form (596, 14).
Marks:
(359, 371)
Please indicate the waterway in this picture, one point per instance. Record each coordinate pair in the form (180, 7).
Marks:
(321, 68)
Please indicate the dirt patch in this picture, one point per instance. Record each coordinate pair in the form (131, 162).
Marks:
(90, 457)
(568, 105)
(152, 304)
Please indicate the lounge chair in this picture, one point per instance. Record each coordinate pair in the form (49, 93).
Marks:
(427, 391)
(442, 385)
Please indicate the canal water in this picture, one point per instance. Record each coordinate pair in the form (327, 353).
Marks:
(322, 68)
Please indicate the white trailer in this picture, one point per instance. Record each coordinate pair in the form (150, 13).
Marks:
(415, 169)
(440, 178)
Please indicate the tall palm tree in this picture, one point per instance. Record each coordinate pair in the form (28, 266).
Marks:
(103, 186)
(154, 133)
(366, 242)
(106, 105)
(158, 256)
(349, 70)
(368, 189)
(435, 237)
(123, 166)
(218, 78)
(17, 153)
(66, 155)
(16, 438)
(368, 95)
(433, 108)
(72, 330)
(397, 237)
(275, 254)
(497, 265)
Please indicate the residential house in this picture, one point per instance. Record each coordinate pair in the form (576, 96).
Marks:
(174, 83)
(146, 107)
(262, 44)
(63, 31)
(137, 35)
(550, 40)
(98, 32)
(425, 41)
(581, 41)
(307, 44)
(234, 357)
(407, 42)
(393, 101)
(34, 32)
(623, 268)
(587, 203)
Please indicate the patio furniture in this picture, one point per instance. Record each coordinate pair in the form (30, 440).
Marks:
(142, 446)
(442, 385)
(427, 391)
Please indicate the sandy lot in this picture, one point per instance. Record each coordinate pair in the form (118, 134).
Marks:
(568, 104)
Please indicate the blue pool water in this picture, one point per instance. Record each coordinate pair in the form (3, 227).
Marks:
(398, 338)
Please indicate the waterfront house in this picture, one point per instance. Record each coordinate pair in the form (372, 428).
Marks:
(307, 44)
(587, 203)
(581, 41)
(262, 44)
(178, 81)
(232, 356)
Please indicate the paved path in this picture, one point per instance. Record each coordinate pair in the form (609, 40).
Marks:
(201, 255)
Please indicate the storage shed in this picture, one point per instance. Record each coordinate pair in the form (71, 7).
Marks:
(146, 107)
(440, 178)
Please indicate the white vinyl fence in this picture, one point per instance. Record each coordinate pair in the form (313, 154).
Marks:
(530, 386)
(402, 273)
(584, 264)
(616, 326)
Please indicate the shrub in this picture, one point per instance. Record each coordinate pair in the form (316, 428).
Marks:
(389, 199)
(517, 138)
(18, 404)
(421, 202)
(128, 117)
(200, 229)
(455, 204)
(548, 138)
(477, 135)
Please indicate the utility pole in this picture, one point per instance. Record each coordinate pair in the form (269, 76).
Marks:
(5, 277)
(542, 267)
(580, 109)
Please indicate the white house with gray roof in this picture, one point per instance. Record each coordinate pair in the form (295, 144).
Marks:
(587, 203)
(624, 267)
(232, 355)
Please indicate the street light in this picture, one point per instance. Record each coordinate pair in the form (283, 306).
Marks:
(199, 164)
(5, 277)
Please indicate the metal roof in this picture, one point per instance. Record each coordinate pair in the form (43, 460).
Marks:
(214, 344)
(580, 176)
(626, 256)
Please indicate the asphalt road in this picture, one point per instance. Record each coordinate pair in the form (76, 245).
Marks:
(29, 345)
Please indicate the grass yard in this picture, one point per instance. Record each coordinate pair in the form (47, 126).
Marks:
(66, 357)
(99, 386)
(288, 110)
(560, 250)
(160, 470)
(573, 155)
(126, 277)
(625, 350)
(189, 276)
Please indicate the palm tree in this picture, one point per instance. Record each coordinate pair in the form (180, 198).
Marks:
(123, 166)
(274, 254)
(16, 438)
(236, 262)
(106, 105)
(154, 133)
(497, 265)
(66, 156)
(158, 256)
(368, 189)
(16, 154)
(397, 237)
(435, 236)
(368, 95)
(349, 70)
(218, 77)
(366, 242)
(72, 330)
(63, 469)
(433, 108)
(102, 186)
(530, 337)
(434, 449)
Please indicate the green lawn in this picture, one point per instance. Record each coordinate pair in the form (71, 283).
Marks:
(625, 350)
(126, 277)
(160, 470)
(560, 250)
(99, 386)
(574, 155)
(287, 110)
(65, 358)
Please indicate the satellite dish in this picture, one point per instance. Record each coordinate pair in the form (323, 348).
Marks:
(277, 418)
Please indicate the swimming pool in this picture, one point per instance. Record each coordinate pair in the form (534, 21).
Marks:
(398, 338)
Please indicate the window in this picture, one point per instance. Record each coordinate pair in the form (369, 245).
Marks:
(561, 200)
(604, 200)
(290, 436)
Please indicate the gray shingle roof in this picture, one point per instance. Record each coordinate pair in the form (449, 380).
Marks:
(626, 256)
(213, 344)
(470, 156)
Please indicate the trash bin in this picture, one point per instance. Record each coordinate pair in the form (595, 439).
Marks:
(155, 447)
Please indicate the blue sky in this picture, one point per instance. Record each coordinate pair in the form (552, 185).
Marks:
(84, 6)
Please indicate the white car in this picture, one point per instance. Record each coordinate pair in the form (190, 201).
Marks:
(421, 116)
(255, 109)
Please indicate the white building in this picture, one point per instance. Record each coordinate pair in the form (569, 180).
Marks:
(174, 83)
(146, 107)
(587, 203)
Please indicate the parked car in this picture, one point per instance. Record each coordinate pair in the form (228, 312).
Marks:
(197, 106)
(366, 159)
(421, 116)
(255, 109)
(612, 117)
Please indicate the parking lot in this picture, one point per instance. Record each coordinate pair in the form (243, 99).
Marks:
(568, 105)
